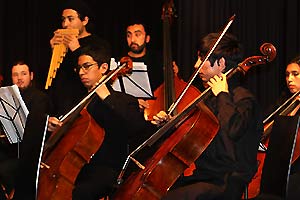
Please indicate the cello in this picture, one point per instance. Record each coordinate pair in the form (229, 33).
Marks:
(288, 108)
(192, 131)
(70, 147)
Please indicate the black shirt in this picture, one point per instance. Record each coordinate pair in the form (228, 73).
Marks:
(235, 146)
(122, 121)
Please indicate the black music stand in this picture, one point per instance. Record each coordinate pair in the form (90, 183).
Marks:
(277, 164)
(13, 113)
(137, 83)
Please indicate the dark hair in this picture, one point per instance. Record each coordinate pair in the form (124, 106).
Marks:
(21, 62)
(83, 10)
(99, 54)
(295, 60)
(80, 6)
(229, 47)
(141, 22)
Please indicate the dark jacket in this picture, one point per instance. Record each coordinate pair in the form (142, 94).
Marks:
(39, 105)
(122, 121)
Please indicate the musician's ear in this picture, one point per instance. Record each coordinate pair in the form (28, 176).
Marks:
(85, 20)
(31, 76)
(147, 38)
(222, 64)
(103, 68)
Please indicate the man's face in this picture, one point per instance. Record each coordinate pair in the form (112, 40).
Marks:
(71, 20)
(292, 77)
(21, 76)
(137, 38)
(90, 73)
(208, 71)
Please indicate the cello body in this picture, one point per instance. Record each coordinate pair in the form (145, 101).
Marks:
(72, 145)
(70, 154)
(175, 155)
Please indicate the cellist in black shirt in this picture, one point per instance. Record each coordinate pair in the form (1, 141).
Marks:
(119, 114)
(229, 162)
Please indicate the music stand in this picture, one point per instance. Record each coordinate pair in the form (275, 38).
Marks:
(137, 83)
(13, 113)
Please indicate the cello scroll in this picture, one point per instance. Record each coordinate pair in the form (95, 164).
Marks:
(269, 54)
(127, 69)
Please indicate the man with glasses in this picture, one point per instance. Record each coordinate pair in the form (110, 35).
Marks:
(85, 67)
(119, 114)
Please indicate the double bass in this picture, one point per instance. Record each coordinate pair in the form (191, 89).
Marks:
(71, 147)
(172, 86)
(191, 132)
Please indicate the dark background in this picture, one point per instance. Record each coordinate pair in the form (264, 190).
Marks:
(28, 25)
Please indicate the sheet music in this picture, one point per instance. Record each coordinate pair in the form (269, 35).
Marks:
(137, 83)
(13, 113)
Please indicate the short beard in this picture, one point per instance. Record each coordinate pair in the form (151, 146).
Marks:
(139, 49)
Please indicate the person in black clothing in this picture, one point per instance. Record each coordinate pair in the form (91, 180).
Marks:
(292, 76)
(138, 39)
(118, 113)
(22, 170)
(139, 50)
(75, 14)
(229, 162)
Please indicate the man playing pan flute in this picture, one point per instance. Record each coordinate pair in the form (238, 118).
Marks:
(75, 15)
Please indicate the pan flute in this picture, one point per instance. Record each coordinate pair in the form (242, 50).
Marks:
(58, 54)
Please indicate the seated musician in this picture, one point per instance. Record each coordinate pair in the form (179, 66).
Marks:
(229, 162)
(121, 118)
(23, 167)
(293, 83)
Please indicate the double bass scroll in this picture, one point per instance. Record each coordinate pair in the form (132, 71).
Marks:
(58, 54)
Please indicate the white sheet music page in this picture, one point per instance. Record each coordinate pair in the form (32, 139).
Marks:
(13, 113)
(137, 83)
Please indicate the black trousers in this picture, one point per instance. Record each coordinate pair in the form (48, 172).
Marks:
(294, 186)
(94, 182)
(196, 191)
(232, 189)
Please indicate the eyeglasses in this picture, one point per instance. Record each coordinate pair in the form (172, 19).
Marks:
(85, 67)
